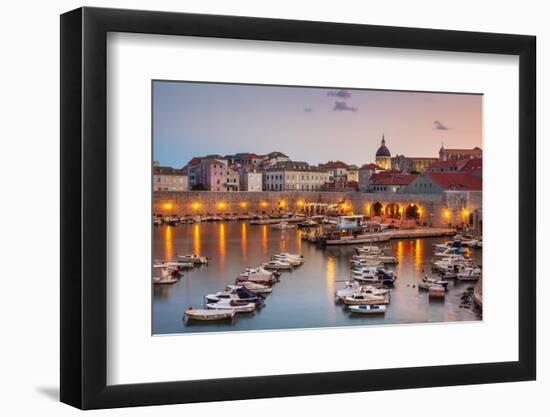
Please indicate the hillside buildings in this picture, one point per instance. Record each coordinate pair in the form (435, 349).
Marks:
(294, 176)
(169, 179)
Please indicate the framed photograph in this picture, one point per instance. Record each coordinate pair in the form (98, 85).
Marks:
(256, 208)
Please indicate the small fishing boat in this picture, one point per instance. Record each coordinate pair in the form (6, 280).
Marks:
(283, 226)
(361, 298)
(307, 224)
(193, 258)
(368, 309)
(172, 264)
(354, 287)
(255, 288)
(469, 274)
(236, 306)
(451, 251)
(369, 250)
(384, 259)
(157, 221)
(238, 294)
(426, 283)
(210, 315)
(278, 265)
(261, 279)
(288, 259)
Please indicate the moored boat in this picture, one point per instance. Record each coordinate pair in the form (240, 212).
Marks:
(237, 306)
(209, 315)
(193, 258)
(368, 309)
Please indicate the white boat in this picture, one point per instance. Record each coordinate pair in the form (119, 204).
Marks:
(449, 252)
(210, 315)
(471, 243)
(172, 264)
(368, 309)
(384, 259)
(283, 226)
(236, 306)
(193, 258)
(262, 279)
(354, 287)
(256, 288)
(277, 265)
(157, 221)
(469, 274)
(292, 261)
(292, 255)
(167, 276)
(369, 250)
(426, 283)
(361, 298)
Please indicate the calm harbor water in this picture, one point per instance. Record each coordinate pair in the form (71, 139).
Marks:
(304, 298)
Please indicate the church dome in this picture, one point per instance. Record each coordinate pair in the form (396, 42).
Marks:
(383, 151)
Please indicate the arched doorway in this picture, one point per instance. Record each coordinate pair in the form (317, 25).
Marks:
(412, 212)
(377, 209)
(392, 211)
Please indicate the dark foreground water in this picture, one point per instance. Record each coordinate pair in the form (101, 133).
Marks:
(304, 298)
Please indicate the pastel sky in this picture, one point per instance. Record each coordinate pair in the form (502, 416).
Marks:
(308, 124)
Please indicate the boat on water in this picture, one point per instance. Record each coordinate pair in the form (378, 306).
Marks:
(157, 221)
(449, 252)
(368, 309)
(278, 265)
(361, 298)
(354, 287)
(374, 275)
(384, 259)
(283, 226)
(369, 250)
(426, 283)
(469, 274)
(262, 279)
(255, 288)
(164, 280)
(167, 276)
(236, 306)
(210, 315)
(288, 259)
(193, 258)
(307, 224)
(238, 294)
(172, 264)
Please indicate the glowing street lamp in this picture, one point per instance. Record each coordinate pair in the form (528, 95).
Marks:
(195, 206)
(243, 204)
(222, 205)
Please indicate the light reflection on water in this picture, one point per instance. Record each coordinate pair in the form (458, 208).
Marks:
(305, 297)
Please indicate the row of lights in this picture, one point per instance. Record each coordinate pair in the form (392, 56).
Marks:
(243, 204)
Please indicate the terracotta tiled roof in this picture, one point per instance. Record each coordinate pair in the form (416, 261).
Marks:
(371, 166)
(473, 165)
(391, 178)
(333, 165)
(459, 181)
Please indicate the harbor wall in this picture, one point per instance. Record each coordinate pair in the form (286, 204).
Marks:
(446, 209)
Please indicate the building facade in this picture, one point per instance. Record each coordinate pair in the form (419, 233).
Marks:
(409, 164)
(169, 179)
(294, 176)
(389, 182)
(458, 154)
(251, 180)
(439, 182)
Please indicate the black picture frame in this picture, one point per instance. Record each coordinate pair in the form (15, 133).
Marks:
(84, 207)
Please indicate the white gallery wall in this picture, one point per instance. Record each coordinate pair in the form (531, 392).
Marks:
(29, 237)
